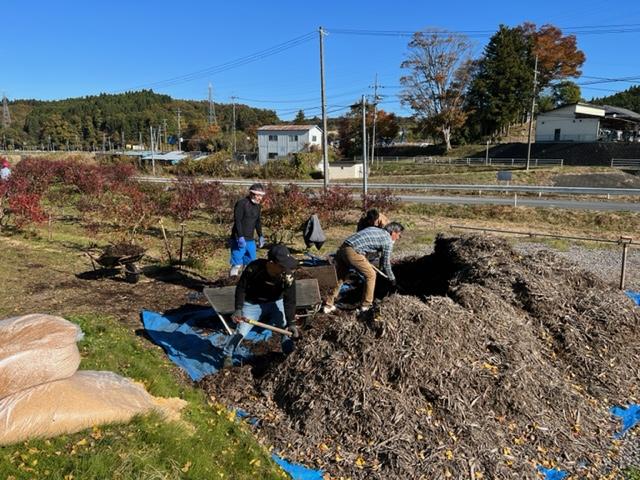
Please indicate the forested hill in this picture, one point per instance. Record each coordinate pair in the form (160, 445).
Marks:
(629, 99)
(87, 122)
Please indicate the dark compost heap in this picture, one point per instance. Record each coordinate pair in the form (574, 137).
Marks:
(493, 363)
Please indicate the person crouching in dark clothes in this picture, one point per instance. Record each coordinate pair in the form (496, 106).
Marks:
(372, 218)
(266, 292)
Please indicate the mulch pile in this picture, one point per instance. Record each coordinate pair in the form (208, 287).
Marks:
(491, 364)
(123, 250)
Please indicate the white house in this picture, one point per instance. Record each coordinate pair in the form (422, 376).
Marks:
(578, 122)
(582, 122)
(282, 140)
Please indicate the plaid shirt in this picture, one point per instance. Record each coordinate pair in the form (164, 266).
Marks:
(374, 239)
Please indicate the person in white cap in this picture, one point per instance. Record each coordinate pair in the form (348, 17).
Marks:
(246, 220)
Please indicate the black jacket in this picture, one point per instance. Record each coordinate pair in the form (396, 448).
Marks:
(257, 286)
(246, 219)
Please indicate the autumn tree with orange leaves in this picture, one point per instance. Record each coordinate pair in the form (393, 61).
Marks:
(502, 85)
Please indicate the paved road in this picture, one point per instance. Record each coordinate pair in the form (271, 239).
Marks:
(467, 199)
(524, 202)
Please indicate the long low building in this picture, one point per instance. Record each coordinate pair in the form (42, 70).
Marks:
(583, 122)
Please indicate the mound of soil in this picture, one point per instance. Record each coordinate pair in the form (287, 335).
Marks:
(492, 364)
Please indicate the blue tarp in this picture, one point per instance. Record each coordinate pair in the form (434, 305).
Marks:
(297, 472)
(635, 296)
(552, 473)
(630, 417)
(180, 334)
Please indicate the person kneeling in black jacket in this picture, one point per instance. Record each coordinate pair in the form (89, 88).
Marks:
(266, 292)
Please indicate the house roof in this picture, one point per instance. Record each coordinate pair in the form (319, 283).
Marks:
(286, 128)
(619, 112)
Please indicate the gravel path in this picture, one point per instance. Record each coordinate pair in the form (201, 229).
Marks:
(605, 263)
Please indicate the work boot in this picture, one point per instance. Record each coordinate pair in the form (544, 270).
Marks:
(363, 308)
(235, 270)
(329, 309)
(228, 362)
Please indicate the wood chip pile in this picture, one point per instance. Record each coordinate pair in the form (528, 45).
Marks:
(493, 364)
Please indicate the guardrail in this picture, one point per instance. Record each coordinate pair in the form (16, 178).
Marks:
(626, 163)
(442, 161)
(536, 189)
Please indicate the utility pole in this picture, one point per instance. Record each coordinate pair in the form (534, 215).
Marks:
(6, 116)
(153, 158)
(325, 148)
(533, 108)
(212, 108)
(104, 142)
(122, 139)
(179, 133)
(375, 105)
(365, 169)
(164, 130)
(233, 100)
(486, 158)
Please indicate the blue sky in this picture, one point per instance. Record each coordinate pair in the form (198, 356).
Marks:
(54, 50)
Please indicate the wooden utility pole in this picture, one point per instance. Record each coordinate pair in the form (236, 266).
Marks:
(233, 100)
(212, 108)
(365, 169)
(373, 134)
(153, 158)
(179, 133)
(533, 109)
(325, 148)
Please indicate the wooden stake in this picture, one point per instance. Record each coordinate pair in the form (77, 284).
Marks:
(181, 241)
(166, 241)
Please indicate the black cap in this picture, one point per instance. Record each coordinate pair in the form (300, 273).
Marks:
(280, 254)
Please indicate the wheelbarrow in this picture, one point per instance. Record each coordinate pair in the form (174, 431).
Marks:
(117, 259)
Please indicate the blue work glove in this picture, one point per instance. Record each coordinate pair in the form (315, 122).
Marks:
(242, 243)
(261, 242)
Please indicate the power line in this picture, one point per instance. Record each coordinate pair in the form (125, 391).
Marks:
(581, 30)
(314, 99)
(281, 47)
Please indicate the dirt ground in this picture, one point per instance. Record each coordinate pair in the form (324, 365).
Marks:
(62, 282)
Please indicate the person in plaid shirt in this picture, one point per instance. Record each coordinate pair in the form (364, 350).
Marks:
(352, 254)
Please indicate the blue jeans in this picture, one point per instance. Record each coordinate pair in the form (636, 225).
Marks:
(272, 313)
(242, 256)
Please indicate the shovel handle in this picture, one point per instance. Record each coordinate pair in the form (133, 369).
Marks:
(268, 327)
(379, 271)
(226, 326)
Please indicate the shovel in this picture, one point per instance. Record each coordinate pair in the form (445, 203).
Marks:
(382, 274)
(267, 326)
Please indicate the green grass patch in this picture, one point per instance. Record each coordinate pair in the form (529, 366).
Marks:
(632, 473)
(208, 442)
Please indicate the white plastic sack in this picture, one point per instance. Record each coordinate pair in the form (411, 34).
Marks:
(36, 349)
(86, 399)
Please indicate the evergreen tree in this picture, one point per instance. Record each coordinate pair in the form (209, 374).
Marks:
(299, 120)
(629, 99)
(503, 81)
